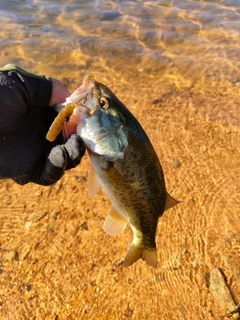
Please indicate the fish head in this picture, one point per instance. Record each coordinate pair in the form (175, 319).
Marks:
(99, 118)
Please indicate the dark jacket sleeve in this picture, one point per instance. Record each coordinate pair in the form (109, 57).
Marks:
(20, 92)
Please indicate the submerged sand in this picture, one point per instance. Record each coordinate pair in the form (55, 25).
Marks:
(57, 262)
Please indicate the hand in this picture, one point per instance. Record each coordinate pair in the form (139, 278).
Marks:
(61, 158)
(26, 115)
(59, 92)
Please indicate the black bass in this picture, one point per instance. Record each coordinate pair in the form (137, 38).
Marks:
(124, 164)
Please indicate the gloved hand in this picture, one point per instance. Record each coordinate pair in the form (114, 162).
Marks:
(61, 157)
(25, 117)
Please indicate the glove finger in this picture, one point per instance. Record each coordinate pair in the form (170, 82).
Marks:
(75, 148)
(53, 169)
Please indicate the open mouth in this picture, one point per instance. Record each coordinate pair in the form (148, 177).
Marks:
(77, 106)
(81, 93)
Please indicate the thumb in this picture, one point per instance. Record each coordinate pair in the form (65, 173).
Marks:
(59, 92)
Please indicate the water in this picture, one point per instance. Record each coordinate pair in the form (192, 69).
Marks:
(176, 66)
(168, 45)
(181, 44)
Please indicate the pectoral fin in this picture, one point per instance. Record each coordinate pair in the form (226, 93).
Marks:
(170, 202)
(93, 182)
(115, 223)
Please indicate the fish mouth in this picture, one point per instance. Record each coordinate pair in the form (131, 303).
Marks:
(82, 96)
(75, 109)
(82, 99)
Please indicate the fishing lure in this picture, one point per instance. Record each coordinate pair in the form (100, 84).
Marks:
(59, 122)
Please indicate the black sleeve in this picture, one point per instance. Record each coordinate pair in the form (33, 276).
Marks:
(20, 91)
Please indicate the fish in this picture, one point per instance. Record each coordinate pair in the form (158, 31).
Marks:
(123, 162)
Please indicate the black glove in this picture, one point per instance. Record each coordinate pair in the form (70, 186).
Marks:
(61, 158)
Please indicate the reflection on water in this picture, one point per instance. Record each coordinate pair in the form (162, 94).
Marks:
(181, 44)
(176, 66)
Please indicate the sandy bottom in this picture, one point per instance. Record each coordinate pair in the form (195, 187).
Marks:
(56, 262)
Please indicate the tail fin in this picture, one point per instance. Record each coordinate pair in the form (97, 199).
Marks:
(136, 252)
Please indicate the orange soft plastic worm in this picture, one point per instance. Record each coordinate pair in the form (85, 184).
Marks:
(59, 121)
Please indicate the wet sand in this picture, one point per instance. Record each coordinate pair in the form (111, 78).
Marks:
(57, 262)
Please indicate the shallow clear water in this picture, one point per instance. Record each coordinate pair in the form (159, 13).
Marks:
(174, 44)
(176, 66)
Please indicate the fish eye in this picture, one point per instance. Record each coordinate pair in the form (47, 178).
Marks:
(103, 103)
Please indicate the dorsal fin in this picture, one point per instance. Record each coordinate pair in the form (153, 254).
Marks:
(170, 202)
(94, 183)
(115, 223)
